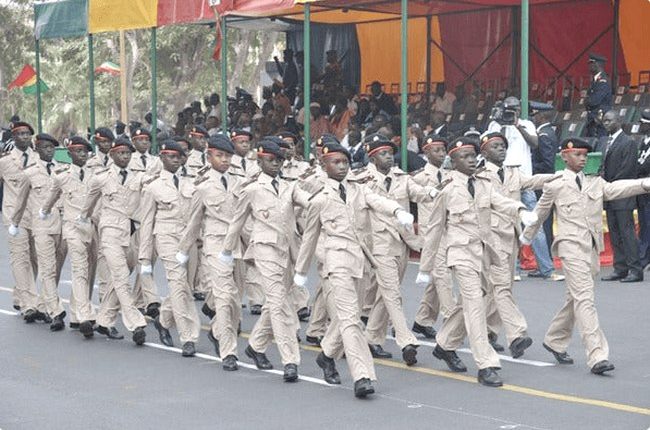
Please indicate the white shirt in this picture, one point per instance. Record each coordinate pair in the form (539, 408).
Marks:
(518, 152)
(445, 103)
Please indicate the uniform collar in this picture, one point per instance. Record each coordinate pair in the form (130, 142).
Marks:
(615, 135)
(491, 166)
(166, 174)
(432, 169)
(597, 76)
(571, 176)
(546, 124)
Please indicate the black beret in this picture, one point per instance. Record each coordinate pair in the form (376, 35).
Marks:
(171, 145)
(199, 130)
(487, 138)
(377, 141)
(333, 148)
(104, 133)
(535, 107)
(47, 138)
(238, 132)
(287, 135)
(181, 139)
(461, 142)
(139, 132)
(278, 141)
(575, 143)
(325, 139)
(79, 141)
(434, 139)
(122, 141)
(16, 126)
(222, 143)
(267, 147)
(597, 58)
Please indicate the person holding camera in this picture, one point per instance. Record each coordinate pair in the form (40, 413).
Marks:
(522, 138)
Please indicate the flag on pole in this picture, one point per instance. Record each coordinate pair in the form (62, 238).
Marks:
(27, 81)
(109, 68)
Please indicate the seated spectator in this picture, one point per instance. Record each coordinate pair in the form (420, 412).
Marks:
(464, 104)
(443, 100)
(383, 101)
(340, 118)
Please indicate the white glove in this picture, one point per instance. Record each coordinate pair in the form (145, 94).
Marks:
(528, 218)
(13, 230)
(43, 215)
(434, 192)
(423, 278)
(81, 220)
(404, 218)
(523, 240)
(645, 183)
(299, 280)
(226, 258)
(146, 270)
(182, 258)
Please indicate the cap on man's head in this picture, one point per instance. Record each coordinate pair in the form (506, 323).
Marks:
(104, 134)
(44, 137)
(267, 148)
(535, 107)
(645, 116)
(278, 141)
(597, 58)
(314, 104)
(21, 125)
(140, 133)
(221, 142)
(330, 149)
(462, 142)
(181, 139)
(122, 142)
(198, 130)
(376, 142)
(433, 140)
(78, 141)
(487, 138)
(575, 143)
(287, 135)
(238, 134)
(325, 139)
(170, 146)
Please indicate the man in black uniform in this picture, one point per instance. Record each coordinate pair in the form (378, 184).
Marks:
(289, 73)
(643, 200)
(599, 96)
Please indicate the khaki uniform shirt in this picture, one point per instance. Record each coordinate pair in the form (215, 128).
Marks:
(292, 169)
(431, 176)
(35, 189)
(11, 175)
(99, 161)
(195, 161)
(151, 164)
(245, 166)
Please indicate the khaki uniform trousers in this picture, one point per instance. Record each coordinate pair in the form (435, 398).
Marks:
(178, 307)
(388, 305)
(118, 294)
(103, 276)
(51, 251)
(83, 264)
(468, 320)
(319, 317)
(345, 332)
(579, 308)
(22, 254)
(145, 291)
(278, 318)
(253, 285)
(438, 297)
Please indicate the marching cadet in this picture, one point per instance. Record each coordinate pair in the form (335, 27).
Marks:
(269, 201)
(241, 162)
(119, 193)
(335, 213)
(462, 212)
(22, 252)
(185, 146)
(51, 250)
(70, 185)
(165, 205)
(212, 213)
(578, 203)
(104, 139)
(390, 248)
(142, 159)
(438, 297)
(292, 168)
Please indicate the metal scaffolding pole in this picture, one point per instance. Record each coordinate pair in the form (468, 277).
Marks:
(404, 83)
(39, 105)
(524, 58)
(307, 79)
(154, 93)
(224, 76)
(91, 87)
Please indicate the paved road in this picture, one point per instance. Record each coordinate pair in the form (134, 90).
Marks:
(60, 380)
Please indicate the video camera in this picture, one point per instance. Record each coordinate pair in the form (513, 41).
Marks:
(505, 112)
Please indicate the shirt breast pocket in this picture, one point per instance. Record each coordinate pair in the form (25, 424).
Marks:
(458, 211)
(165, 205)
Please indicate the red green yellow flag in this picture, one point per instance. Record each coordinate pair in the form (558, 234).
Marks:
(27, 81)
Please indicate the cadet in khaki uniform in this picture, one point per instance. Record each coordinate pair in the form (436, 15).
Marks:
(578, 203)
(119, 192)
(70, 184)
(462, 211)
(390, 248)
(22, 252)
(335, 213)
(212, 213)
(142, 160)
(198, 137)
(438, 297)
(165, 205)
(51, 250)
(269, 201)
(241, 163)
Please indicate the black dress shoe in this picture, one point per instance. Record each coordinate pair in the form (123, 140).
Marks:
(364, 320)
(57, 322)
(363, 387)
(139, 336)
(165, 336)
(330, 374)
(601, 367)
(615, 276)
(199, 296)
(314, 340)
(17, 307)
(633, 277)
(256, 309)
(230, 363)
(74, 325)
(519, 345)
(453, 362)
(215, 342)
(492, 338)
(29, 316)
(561, 357)
(43, 317)
(378, 352)
(409, 354)
(86, 328)
(290, 373)
(111, 333)
(153, 310)
(303, 314)
(426, 331)
(208, 311)
(259, 358)
(188, 349)
(489, 377)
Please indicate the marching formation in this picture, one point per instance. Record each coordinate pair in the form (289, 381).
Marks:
(227, 220)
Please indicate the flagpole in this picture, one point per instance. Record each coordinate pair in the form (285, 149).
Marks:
(124, 115)
(39, 107)
(154, 93)
(91, 85)
(224, 75)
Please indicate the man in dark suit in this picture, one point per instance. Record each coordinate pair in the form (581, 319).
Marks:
(643, 200)
(289, 73)
(620, 162)
(383, 100)
(599, 96)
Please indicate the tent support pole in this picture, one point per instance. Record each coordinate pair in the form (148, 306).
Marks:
(403, 84)
(524, 58)
(154, 93)
(124, 115)
(615, 46)
(306, 47)
(39, 105)
(224, 76)
(429, 37)
(515, 39)
(91, 85)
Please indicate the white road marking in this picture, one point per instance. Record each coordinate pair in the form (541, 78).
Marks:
(13, 313)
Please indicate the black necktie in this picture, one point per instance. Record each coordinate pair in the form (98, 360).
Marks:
(184, 171)
(470, 185)
(224, 182)
(25, 159)
(144, 160)
(48, 166)
(123, 173)
(243, 164)
(175, 179)
(105, 160)
(387, 182)
(274, 182)
(342, 193)
(439, 176)
(81, 175)
(501, 174)
(579, 182)
(203, 158)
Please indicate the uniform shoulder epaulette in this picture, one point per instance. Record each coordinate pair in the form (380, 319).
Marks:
(316, 193)
(102, 170)
(361, 180)
(512, 166)
(359, 170)
(399, 172)
(288, 178)
(29, 166)
(235, 166)
(203, 170)
(62, 169)
(251, 180)
(444, 183)
(415, 172)
(236, 174)
(188, 175)
(200, 180)
(554, 178)
(479, 173)
(307, 174)
(151, 179)
(135, 169)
